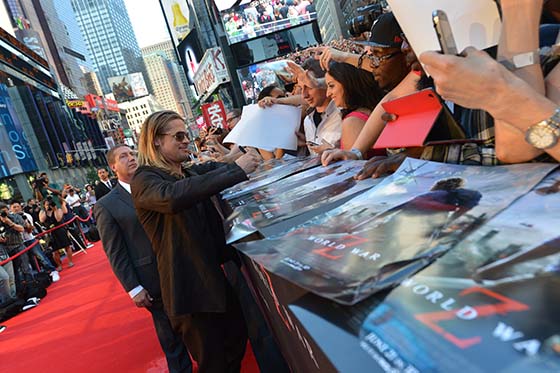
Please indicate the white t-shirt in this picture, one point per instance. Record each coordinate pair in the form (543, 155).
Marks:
(330, 128)
(73, 200)
(27, 236)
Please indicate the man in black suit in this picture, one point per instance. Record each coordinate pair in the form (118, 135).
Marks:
(104, 184)
(131, 256)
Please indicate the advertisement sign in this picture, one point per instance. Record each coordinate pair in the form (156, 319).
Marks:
(15, 154)
(74, 104)
(99, 102)
(214, 114)
(487, 305)
(177, 15)
(138, 85)
(398, 227)
(32, 40)
(256, 18)
(211, 72)
(128, 87)
(190, 54)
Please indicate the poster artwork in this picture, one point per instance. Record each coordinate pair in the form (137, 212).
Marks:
(269, 173)
(490, 304)
(393, 230)
(296, 195)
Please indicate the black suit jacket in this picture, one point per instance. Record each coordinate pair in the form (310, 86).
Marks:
(101, 189)
(187, 233)
(125, 242)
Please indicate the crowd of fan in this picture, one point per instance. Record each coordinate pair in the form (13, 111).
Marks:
(341, 87)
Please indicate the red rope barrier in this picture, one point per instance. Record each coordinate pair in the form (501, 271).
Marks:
(44, 233)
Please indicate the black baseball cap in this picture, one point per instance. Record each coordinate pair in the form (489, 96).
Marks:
(385, 32)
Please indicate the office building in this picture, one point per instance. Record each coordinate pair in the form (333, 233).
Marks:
(167, 48)
(64, 41)
(331, 20)
(39, 132)
(165, 81)
(109, 38)
(138, 110)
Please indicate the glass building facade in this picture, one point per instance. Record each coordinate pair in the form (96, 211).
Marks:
(38, 132)
(109, 38)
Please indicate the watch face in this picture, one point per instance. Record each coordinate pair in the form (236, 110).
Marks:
(541, 137)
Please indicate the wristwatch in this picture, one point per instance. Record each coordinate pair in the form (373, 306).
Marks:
(357, 153)
(545, 134)
(522, 60)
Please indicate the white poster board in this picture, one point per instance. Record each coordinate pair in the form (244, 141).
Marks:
(268, 129)
(474, 23)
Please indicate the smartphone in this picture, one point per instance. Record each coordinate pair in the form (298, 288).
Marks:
(444, 33)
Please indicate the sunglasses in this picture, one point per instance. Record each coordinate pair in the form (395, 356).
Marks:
(178, 136)
(377, 60)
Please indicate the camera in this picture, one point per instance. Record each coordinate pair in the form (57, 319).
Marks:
(363, 22)
(40, 182)
(3, 214)
(52, 204)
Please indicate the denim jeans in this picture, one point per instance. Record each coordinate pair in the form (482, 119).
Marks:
(40, 255)
(22, 269)
(6, 283)
(9, 269)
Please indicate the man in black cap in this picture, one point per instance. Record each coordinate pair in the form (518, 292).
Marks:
(382, 56)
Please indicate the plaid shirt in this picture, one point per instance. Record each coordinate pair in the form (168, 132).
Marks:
(13, 237)
(478, 125)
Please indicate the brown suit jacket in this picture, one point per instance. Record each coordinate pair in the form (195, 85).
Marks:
(187, 233)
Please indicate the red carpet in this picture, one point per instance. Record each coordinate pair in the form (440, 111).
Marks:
(86, 323)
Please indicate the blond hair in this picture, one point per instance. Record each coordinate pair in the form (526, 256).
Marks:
(148, 153)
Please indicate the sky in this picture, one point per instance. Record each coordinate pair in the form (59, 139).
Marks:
(147, 21)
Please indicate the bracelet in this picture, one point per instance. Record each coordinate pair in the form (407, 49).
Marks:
(361, 60)
(357, 153)
(522, 60)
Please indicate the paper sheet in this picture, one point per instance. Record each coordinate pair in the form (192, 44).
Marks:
(269, 129)
(474, 23)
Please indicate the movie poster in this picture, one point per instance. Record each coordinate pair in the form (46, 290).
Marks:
(285, 184)
(321, 185)
(269, 173)
(398, 227)
(489, 305)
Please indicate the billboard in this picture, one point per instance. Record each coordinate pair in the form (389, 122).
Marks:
(214, 114)
(128, 87)
(256, 18)
(15, 153)
(254, 78)
(177, 15)
(98, 102)
(190, 54)
(211, 72)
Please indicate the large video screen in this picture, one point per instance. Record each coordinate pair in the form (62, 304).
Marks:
(276, 45)
(261, 17)
(128, 87)
(254, 78)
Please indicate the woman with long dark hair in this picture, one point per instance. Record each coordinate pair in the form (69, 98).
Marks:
(356, 93)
